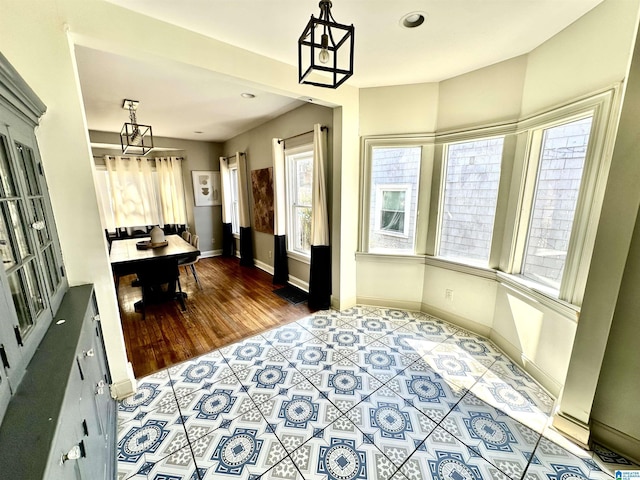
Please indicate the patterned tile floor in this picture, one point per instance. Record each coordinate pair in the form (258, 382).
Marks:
(368, 393)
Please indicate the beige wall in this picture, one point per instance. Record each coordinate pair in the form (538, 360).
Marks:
(490, 95)
(618, 392)
(398, 109)
(256, 144)
(590, 54)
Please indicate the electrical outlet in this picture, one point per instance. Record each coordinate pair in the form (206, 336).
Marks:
(270, 254)
(448, 295)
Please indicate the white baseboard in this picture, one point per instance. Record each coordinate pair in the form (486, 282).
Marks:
(572, 428)
(549, 383)
(263, 266)
(211, 253)
(296, 282)
(382, 302)
(301, 284)
(465, 323)
(615, 440)
(125, 388)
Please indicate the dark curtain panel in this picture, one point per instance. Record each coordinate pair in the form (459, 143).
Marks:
(246, 247)
(228, 242)
(280, 263)
(320, 278)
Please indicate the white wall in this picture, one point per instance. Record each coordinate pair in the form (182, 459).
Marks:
(590, 54)
(534, 335)
(472, 298)
(390, 281)
(398, 109)
(490, 95)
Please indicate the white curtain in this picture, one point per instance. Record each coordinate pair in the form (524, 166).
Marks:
(320, 268)
(225, 180)
(279, 201)
(133, 192)
(280, 262)
(319, 213)
(171, 190)
(243, 190)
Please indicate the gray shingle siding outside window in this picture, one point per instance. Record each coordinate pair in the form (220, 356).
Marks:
(560, 172)
(470, 196)
(394, 167)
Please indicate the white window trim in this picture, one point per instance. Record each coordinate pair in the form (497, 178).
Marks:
(291, 155)
(393, 187)
(505, 247)
(426, 143)
(590, 197)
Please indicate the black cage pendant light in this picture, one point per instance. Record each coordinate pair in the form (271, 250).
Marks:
(135, 138)
(325, 50)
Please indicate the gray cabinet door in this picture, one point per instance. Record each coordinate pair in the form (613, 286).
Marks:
(31, 278)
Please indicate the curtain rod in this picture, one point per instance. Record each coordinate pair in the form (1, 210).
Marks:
(323, 128)
(231, 156)
(101, 157)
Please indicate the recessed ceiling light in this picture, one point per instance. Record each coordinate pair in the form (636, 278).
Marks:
(413, 19)
(247, 95)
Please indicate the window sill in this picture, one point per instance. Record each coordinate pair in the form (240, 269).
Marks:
(514, 282)
(298, 257)
(536, 293)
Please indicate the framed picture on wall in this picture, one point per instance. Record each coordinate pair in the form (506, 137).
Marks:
(206, 188)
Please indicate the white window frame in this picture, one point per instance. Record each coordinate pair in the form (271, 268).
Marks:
(380, 189)
(292, 156)
(590, 197)
(426, 144)
(235, 212)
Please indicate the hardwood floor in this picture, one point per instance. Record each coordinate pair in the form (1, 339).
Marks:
(234, 303)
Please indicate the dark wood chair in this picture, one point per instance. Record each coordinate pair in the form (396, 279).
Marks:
(160, 281)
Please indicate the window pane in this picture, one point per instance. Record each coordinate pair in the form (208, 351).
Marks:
(29, 168)
(52, 273)
(6, 176)
(395, 174)
(302, 233)
(235, 214)
(40, 216)
(393, 201)
(470, 196)
(564, 149)
(304, 175)
(392, 221)
(20, 295)
(22, 249)
(8, 257)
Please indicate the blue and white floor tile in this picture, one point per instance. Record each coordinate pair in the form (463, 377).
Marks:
(367, 393)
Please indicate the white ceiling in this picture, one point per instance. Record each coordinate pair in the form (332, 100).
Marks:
(458, 36)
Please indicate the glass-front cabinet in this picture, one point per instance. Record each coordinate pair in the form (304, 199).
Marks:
(32, 280)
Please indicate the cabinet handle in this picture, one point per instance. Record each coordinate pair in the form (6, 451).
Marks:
(38, 225)
(3, 354)
(100, 387)
(16, 330)
(89, 353)
(74, 454)
(85, 428)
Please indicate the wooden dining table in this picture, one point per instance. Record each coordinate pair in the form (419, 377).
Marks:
(126, 258)
(125, 254)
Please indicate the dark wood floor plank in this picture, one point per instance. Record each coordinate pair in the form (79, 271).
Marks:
(234, 303)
